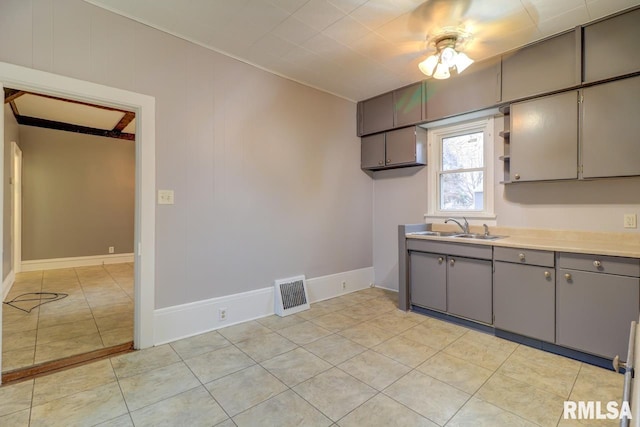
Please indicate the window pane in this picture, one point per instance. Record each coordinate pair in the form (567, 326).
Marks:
(463, 151)
(462, 191)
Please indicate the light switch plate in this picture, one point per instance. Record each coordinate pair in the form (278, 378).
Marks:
(165, 197)
(630, 221)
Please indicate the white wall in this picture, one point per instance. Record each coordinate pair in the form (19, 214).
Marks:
(11, 133)
(597, 205)
(400, 197)
(265, 171)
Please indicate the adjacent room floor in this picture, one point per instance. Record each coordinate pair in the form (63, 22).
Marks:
(97, 313)
(350, 361)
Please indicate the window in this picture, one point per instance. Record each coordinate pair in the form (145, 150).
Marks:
(461, 169)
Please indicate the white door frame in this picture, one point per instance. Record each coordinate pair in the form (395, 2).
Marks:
(18, 77)
(16, 203)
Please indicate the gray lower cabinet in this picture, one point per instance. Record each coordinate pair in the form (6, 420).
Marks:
(524, 299)
(594, 309)
(544, 138)
(446, 280)
(543, 67)
(428, 273)
(611, 47)
(611, 129)
(469, 288)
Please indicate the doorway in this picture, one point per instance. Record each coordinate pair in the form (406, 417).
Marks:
(75, 294)
(22, 78)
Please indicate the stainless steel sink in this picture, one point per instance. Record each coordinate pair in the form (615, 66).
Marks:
(478, 236)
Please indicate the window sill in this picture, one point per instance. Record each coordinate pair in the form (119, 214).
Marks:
(489, 219)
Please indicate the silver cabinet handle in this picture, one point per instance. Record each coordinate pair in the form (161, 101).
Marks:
(440, 259)
(517, 176)
(388, 160)
(452, 261)
(547, 274)
(521, 256)
(567, 276)
(380, 162)
(597, 264)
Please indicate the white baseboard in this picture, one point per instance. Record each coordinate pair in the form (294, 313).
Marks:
(182, 321)
(7, 284)
(81, 261)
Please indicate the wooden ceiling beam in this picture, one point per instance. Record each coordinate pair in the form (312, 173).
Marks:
(124, 121)
(67, 127)
(11, 94)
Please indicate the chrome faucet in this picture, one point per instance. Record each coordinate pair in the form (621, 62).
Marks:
(486, 229)
(465, 227)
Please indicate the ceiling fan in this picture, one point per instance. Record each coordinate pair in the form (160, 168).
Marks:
(455, 31)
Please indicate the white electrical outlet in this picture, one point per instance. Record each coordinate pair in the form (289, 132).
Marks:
(112, 249)
(222, 314)
(344, 285)
(630, 221)
(165, 197)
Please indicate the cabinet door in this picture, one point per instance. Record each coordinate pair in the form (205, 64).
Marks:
(408, 105)
(428, 280)
(595, 310)
(524, 300)
(377, 114)
(544, 138)
(469, 288)
(611, 129)
(550, 65)
(372, 151)
(611, 47)
(401, 146)
(475, 88)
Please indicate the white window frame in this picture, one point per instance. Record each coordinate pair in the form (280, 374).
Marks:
(434, 147)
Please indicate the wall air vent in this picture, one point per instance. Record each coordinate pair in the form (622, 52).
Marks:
(291, 296)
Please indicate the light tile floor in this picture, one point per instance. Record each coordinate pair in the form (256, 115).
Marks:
(350, 361)
(98, 313)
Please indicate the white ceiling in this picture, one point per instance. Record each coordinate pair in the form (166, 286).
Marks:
(357, 48)
(32, 105)
(36, 106)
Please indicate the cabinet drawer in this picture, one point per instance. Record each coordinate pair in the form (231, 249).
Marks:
(524, 256)
(466, 250)
(600, 264)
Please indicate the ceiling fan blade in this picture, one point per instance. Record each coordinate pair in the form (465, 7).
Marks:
(433, 15)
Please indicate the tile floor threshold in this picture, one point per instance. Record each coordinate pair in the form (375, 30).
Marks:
(47, 368)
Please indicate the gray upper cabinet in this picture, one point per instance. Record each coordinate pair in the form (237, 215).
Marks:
(553, 64)
(406, 146)
(372, 151)
(611, 129)
(376, 114)
(394, 149)
(408, 105)
(476, 88)
(544, 138)
(611, 47)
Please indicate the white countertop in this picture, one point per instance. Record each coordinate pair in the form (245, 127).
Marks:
(587, 242)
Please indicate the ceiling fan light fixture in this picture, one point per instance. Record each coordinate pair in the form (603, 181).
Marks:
(441, 72)
(428, 66)
(446, 57)
(462, 61)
